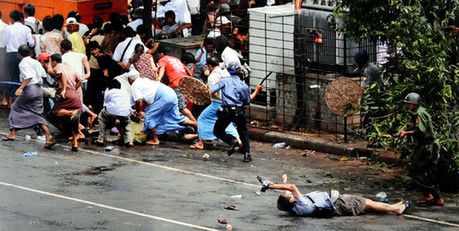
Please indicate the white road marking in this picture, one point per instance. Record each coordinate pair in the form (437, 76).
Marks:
(229, 180)
(107, 207)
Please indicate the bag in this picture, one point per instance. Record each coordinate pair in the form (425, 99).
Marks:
(327, 211)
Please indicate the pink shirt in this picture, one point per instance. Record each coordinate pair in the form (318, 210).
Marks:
(174, 69)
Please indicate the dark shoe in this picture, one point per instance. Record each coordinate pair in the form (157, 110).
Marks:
(264, 184)
(247, 158)
(74, 149)
(50, 145)
(233, 148)
(407, 207)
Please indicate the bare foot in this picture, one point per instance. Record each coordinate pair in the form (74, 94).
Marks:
(198, 145)
(152, 142)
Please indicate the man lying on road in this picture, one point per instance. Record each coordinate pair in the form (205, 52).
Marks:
(320, 204)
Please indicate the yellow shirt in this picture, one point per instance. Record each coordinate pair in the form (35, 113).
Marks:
(77, 42)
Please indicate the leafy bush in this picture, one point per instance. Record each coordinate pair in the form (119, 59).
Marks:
(423, 56)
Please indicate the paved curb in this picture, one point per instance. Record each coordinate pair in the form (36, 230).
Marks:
(296, 141)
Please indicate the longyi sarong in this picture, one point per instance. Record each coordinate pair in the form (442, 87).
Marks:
(27, 109)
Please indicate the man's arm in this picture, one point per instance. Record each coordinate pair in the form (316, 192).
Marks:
(86, 67)
(161, 73)
(256, 92)
(287, 187)
(23, 85)
(216, 87)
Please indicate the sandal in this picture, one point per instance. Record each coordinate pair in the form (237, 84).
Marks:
(7, 138)
(50, 145)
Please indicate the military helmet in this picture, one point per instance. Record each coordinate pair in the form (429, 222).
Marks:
(413, 98)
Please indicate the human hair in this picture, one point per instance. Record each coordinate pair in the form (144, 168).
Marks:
(29, 9)
(138, 51)
(24, 50)
(124, 19)
(187, 58)
(74, 14)
(221, 42)
(48, 23)
(107, 29)
(15, 15)
(66, 45)
(361, 57)
(114, 84)
(128, 32)
(213, 60)
(209, 41)
(141, 29)
(164, 49)
(93, 45)
(97, 22)
(115, 20)
(170, 14)
(58, 21)
(284, 204)
(56, 58)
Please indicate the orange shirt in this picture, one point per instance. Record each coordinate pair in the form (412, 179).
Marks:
(174, 70)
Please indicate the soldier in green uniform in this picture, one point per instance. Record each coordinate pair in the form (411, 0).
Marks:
(424, 160)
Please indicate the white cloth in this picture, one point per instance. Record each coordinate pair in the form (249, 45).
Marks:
(124, 80)
(117, 102)
(31, 69)
(2, 29)
(230, 55)
(75, 61)
(193, 6)
(16, 35)
(180, 9)
(136, 23)
(30, 22)
(213, 79)
(144, 88)
(129, 52)
(222, 20)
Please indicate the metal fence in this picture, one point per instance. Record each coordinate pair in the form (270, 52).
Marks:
(299, 55)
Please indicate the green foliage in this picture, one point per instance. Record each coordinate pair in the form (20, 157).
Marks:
(421, 48)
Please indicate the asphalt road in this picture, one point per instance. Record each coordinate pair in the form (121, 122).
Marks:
(171, 188)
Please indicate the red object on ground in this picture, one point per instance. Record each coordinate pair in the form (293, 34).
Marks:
(222, 220)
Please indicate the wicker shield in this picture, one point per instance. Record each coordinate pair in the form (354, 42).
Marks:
(194, 90)
(343, 96)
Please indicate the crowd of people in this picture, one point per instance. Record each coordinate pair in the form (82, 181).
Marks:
(114, 75)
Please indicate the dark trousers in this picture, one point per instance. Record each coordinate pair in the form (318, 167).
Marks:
(235, 115)
(197, 24)
(424, 169)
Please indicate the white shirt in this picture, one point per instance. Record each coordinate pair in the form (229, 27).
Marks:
(180, 9)
(117, 102)
(213, 79)
(2, 29)
(16, 35)
(129, 52)
(75, 61)
(230, 55)
(144, 88)
(30, 21)
(31, 69)
(136, 23)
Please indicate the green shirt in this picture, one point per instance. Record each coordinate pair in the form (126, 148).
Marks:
(424, 131)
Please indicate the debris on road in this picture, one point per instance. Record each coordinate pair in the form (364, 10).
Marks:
(258, 192)
(231, 207)
(229, 227)
(382, 197)
(30, 154)
(279, 145)
(27, 137)
(222, 220)
(108, 148)
(205, 156)
(237, 196)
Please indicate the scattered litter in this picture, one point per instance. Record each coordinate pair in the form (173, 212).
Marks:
(205, 156)
(258, 193)
(229, 227)
(231, 207)
(237, 196)
(109, 148)
(382, 197)
(222, 220)
(328, 174)
(279, 145)
(30, 154)
(344, 158)
(56, 163)
(41, 139)
(363, 158)
(288, 147)
(27, 137)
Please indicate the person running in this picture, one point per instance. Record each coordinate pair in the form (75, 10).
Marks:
(321, 204)
(174, 70)
(27, 109)
(235, 95)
